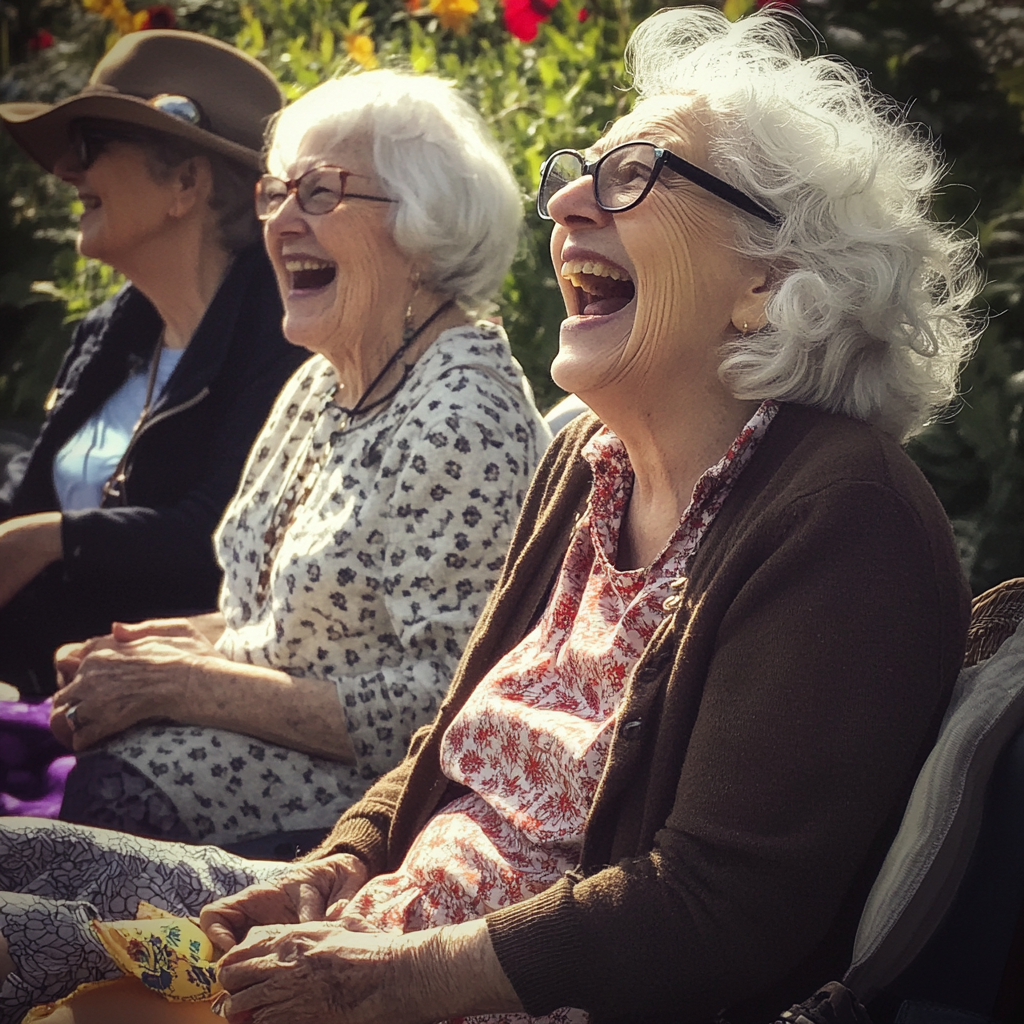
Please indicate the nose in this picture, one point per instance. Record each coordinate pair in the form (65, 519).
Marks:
(574, 205)
(287, 219)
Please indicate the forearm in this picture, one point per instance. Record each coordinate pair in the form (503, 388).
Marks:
(28, 545)
(211, 625)
(301, 714)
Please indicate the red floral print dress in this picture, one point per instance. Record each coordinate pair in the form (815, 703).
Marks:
(532, 740)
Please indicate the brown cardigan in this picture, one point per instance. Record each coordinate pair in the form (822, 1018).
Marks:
(767, 742)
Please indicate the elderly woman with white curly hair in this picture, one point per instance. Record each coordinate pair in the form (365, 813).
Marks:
(682, 735)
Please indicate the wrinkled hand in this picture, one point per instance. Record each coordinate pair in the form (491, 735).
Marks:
(324, 972)
(139, 672)
(319, 973)
(313, 891)
(28, 544)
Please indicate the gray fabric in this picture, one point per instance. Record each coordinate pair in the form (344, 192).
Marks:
(566, 410)
(931, 851)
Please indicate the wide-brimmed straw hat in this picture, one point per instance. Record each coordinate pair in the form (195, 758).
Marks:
(178, 83)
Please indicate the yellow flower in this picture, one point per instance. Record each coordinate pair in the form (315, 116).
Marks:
(114, 11)
(360, 48)
(454, 14)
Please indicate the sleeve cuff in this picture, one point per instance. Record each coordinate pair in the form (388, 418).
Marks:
(537, 943)
(364, 835)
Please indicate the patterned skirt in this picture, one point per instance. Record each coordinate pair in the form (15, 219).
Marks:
(55, 877)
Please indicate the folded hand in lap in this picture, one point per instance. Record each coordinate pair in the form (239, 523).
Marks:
(314, 891)
(139, 672)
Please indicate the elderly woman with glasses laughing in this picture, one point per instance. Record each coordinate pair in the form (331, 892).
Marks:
(376, 506)
(683, 732)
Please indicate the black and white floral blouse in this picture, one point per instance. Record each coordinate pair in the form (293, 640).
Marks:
(371, 584)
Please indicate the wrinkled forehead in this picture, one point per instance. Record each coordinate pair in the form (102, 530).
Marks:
(344, 141)
(675, 122)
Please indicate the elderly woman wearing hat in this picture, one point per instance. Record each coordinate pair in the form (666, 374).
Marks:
(165, 386)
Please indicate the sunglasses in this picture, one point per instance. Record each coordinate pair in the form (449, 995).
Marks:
(625, 175)
(318, 191)
(90, 138)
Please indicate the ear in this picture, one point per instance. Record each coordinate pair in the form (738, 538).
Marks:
(193, 186)
(748, 313)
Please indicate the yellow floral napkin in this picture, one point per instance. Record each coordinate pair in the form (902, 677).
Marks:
(168, 954)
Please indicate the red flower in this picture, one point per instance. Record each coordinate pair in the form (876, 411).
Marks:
(42, 40)
(157, 16)
(523, 16)
(583, 15)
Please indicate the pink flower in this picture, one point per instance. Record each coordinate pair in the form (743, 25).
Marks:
(523, 16)
(42, 40)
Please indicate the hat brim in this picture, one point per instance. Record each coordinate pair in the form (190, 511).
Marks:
(42, 129)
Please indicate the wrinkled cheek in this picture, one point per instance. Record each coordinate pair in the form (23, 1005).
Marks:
(664, 309)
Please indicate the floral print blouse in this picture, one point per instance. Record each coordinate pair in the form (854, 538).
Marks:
(532, 740)
(359, 552)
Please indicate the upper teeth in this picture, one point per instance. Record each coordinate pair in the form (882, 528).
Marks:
(293, 265)
(572, 269)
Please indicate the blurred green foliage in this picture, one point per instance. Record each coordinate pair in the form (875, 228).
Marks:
(954, 64)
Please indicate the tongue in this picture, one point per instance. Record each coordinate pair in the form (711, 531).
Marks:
(602, 307)
(311, 279)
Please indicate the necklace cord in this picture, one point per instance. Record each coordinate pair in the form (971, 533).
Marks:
(360, 407)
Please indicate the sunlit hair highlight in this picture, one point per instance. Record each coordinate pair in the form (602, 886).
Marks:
(869, 308)
(458, 205)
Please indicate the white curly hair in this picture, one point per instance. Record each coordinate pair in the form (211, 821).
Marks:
(869, 307)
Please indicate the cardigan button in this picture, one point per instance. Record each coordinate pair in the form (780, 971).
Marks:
(631, 730)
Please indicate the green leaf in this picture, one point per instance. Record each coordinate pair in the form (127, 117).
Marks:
(736, 9)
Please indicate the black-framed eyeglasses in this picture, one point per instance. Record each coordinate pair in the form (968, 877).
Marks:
(624, 175)
(90, 137)
(319, 190)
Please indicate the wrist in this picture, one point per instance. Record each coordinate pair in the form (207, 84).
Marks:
(179, 694)
(456, 972)
(191, 698)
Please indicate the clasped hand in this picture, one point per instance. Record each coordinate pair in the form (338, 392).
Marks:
(139, 672)
(291, 959)
(288, 959)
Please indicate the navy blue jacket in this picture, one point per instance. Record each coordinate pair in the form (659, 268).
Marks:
(152, 556)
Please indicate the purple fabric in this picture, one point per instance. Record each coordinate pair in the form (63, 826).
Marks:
(33, 765)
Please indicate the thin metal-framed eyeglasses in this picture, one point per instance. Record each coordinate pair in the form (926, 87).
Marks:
(624, 175)
(319, 190)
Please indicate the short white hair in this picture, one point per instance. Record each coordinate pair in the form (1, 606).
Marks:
(458, 205)
(868, 313)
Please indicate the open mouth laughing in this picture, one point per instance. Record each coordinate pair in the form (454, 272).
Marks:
(309, 273)
(601, 288)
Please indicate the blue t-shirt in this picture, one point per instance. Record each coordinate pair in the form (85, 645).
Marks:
(88, 459)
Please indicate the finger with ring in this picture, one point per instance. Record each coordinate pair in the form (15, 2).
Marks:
(71, 716)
